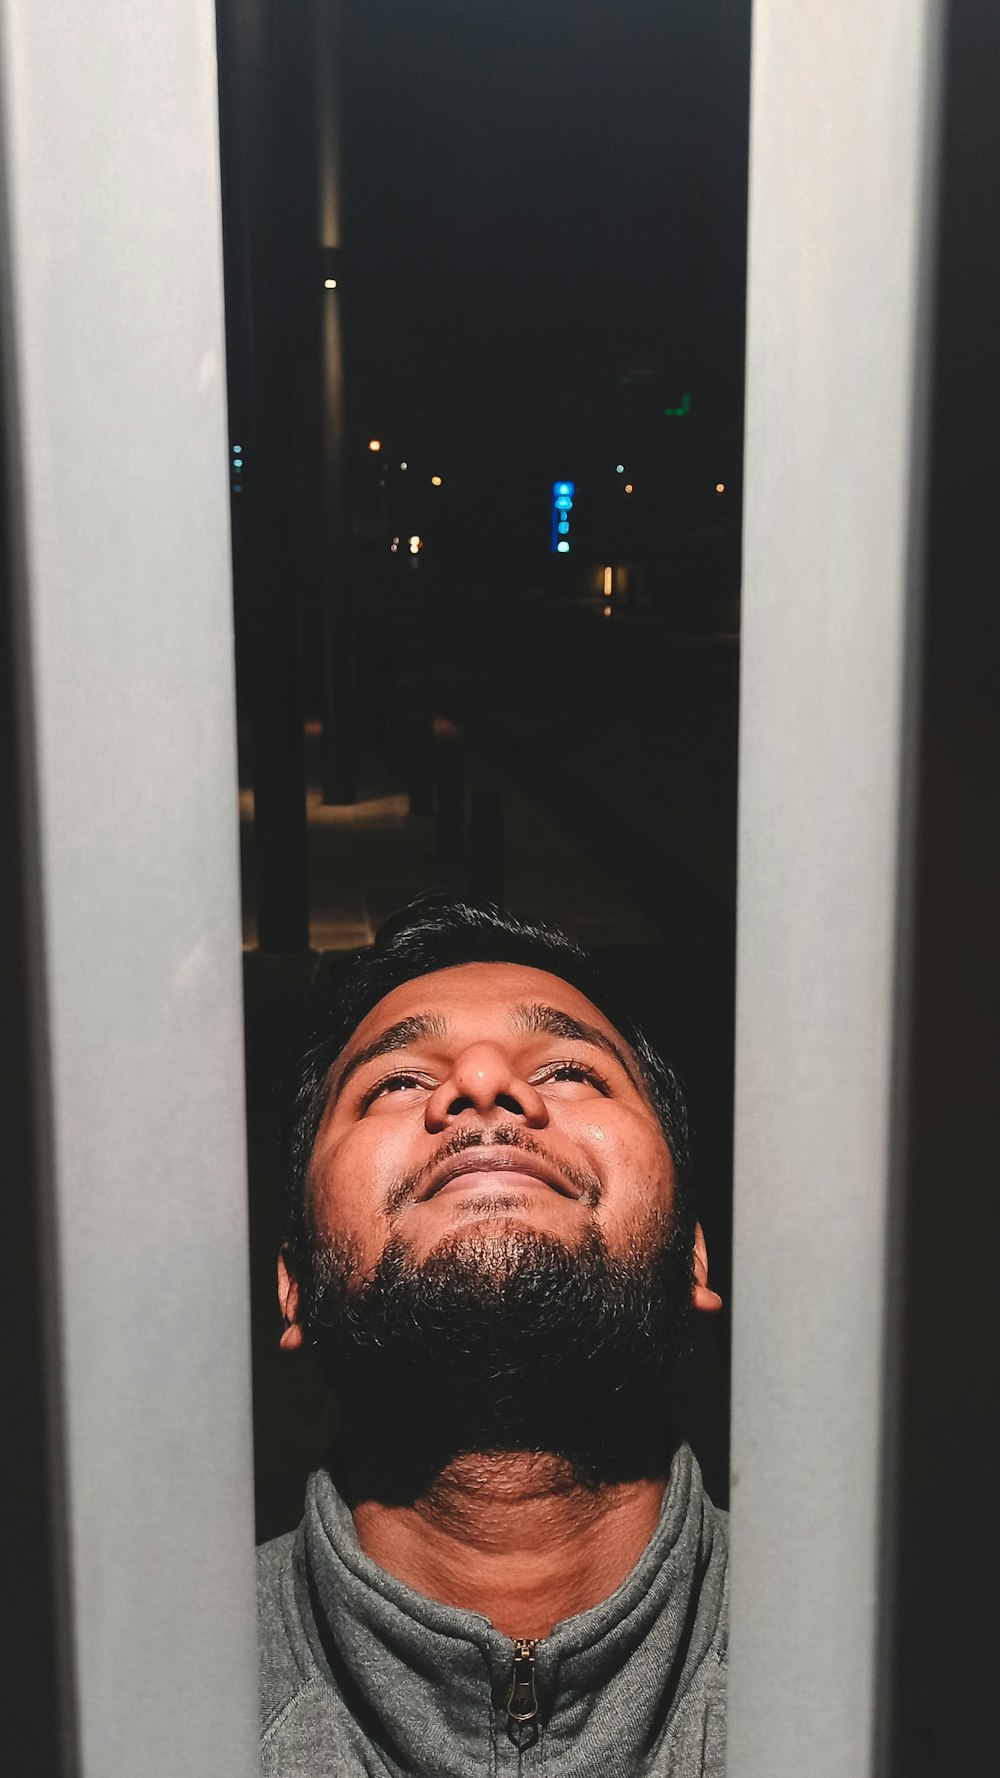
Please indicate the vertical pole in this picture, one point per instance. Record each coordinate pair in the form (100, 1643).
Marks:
(115, 445)
(37, 1686)
(942, 1555)
(267, 602)
(333, 293)
(843, 159)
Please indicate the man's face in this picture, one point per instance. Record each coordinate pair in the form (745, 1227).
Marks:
(481, 1100)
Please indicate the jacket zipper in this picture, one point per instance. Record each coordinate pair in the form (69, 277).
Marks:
(522, 1699)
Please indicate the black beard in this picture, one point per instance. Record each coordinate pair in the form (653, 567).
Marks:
(504, 1341)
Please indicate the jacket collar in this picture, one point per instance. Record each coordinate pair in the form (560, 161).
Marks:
(427, 1683)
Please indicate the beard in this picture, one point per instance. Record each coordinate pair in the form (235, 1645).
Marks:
(504, 1339)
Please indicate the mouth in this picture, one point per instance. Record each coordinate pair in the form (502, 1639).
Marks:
(486, 1169)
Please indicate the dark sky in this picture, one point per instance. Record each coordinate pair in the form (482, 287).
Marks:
(541, 196)
(544, 247)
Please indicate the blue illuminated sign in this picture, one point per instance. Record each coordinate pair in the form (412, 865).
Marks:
(562, 506)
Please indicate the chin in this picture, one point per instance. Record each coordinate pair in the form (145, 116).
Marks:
(526, 1210)
(510, 1240)
(504, 1228)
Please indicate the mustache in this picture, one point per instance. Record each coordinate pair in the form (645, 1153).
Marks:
(404, 1189)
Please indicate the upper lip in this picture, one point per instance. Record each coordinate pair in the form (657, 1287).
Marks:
(495, 1160)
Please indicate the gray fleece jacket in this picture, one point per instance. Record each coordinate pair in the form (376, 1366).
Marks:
(361, 1675)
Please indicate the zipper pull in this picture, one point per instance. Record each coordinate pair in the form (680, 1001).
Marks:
(522, 1699)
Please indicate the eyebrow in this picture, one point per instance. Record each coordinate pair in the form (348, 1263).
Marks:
(400, 1036)
(550, 1022)
(530, 1017)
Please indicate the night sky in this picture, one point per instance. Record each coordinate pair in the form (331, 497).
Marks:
(544, 198)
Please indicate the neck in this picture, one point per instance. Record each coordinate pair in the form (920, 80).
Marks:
(516, 1536)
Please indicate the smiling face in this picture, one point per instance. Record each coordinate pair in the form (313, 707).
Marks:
(486, 1094)
(477, 1101)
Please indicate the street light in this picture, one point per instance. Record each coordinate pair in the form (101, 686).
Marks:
(435, 481)
(374, 444)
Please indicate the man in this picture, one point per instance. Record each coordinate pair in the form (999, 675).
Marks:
(509, 1564)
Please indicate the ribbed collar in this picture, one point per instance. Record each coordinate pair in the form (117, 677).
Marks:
(427, 1682)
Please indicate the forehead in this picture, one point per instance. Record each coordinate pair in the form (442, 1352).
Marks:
(478, 999)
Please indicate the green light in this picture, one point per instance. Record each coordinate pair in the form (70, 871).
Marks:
(677, 413)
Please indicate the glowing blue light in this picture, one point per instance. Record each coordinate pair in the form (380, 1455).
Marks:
(237, 450)
(562, 506)
(237, 462)
(619, 469)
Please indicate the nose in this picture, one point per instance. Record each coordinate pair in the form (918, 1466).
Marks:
(484, 1080)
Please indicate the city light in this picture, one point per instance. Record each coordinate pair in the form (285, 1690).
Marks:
(435, 481)
(677, 413)
(562, 506)
(416, 545)
(628, 487)
(609, 577)
(619, 469)
(607, 610)
(404, 466)
(720, 487)
(329, 283)
(374, 444)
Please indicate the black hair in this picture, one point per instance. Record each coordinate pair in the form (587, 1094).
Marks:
(442, 932)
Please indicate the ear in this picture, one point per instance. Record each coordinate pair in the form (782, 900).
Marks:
(701, 1296)
(288, 1302)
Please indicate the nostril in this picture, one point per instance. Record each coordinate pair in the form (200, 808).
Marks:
(503, 1102)
(507, 1102)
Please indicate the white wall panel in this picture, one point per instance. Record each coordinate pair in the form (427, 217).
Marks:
(842, 158)
(116, 424)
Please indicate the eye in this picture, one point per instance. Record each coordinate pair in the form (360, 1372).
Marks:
(395, 1086)
(571, 1072)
